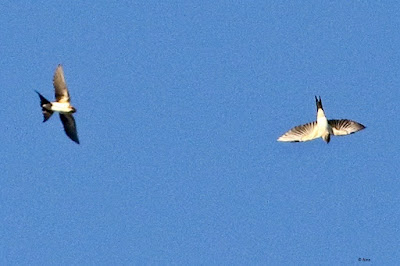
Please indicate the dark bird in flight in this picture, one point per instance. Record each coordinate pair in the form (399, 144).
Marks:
(62, 105)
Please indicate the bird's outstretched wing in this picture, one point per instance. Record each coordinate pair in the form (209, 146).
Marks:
(304, 132)
(60, 87)
(341, 127)
(68, 122)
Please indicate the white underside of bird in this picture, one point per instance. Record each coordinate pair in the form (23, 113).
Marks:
(322, 128)
(61, 107)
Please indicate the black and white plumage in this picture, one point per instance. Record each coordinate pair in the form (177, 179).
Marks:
(322, 128)
(62, 105)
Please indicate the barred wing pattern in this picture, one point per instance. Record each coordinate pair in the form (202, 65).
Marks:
(304, 132)
(341, 127)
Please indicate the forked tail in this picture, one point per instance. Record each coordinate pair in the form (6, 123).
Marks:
(319, 103)
(45, 104)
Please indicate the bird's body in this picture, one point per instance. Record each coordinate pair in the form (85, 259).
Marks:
(322, 128)
(62, 105)
(65, 108)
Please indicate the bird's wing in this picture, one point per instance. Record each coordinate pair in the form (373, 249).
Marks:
(341, 127)
(69, 126)
(301, 133)
(60, 87)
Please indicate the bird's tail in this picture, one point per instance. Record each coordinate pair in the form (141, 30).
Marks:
(45, 104)
(319, 103)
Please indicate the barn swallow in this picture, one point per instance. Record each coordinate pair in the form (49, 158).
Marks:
(62, 105)
(322, 128)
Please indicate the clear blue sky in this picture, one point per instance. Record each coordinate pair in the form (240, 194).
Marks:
(179, 108)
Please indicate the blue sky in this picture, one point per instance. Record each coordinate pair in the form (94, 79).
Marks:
(179, 105)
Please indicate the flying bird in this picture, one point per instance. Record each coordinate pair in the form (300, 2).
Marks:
(62, 105)
(322, 128)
